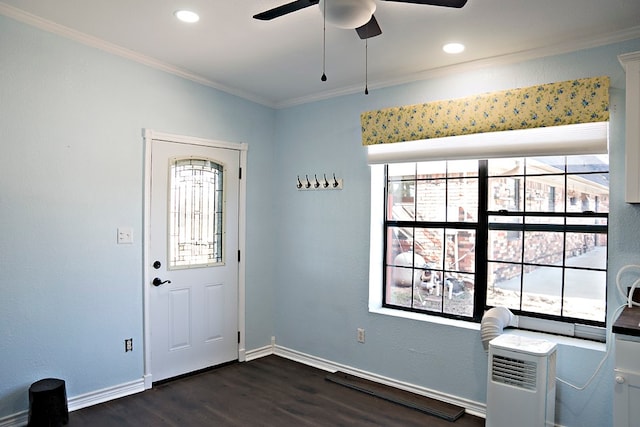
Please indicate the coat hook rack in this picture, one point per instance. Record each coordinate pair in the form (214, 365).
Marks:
(316, 183)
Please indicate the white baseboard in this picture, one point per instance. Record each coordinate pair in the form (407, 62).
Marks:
(115, 392)
(15, 420)
(474, 408)
(148, 381)
(81, 401)
(257, 353)
(106, 394)
(262, 351)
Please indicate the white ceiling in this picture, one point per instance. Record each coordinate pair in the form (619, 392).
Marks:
(279, 62)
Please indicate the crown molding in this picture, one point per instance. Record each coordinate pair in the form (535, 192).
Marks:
(97, 43)
(525, 55)
(628, 57)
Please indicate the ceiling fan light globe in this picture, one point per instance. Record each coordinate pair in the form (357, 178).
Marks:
(348, 14)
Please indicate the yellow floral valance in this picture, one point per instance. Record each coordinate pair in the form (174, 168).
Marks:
(569, 102)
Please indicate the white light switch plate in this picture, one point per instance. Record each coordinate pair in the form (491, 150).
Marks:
(125, 235)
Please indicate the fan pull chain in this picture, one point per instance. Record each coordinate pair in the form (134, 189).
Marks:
(324, 41)
(366, 66)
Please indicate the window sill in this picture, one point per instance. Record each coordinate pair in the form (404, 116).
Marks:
(437, 320)
(426, 318)
(561, 340)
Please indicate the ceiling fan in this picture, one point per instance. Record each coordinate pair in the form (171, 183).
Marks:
(355, 14)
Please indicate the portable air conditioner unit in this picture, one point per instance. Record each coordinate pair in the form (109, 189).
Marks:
(521, 384)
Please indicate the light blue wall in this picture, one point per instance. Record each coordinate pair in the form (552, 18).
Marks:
(71, 172)
(322, 282)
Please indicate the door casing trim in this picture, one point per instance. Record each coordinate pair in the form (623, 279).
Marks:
(242, 148)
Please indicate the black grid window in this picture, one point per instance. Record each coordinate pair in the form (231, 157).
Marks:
(529, 234)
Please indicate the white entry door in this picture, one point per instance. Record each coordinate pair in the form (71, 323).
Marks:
(193, 257)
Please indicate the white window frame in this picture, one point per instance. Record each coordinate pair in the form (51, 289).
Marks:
(588, 138)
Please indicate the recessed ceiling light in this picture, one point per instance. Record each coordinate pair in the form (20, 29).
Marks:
(453, 47)
(187, 16)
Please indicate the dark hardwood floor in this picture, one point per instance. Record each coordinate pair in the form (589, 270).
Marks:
(271, 391)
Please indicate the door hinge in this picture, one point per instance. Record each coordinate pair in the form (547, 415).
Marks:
(238, 337)
(238, 255)
(240, 174)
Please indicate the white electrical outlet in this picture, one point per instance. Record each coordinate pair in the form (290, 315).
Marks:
(361, 335)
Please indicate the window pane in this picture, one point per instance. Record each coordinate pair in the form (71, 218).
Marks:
(588, 193)
(402, 276)
(585, 294)
(460, 255)
(587, 221)
(399, 240)
(432, 170)
(505, 245)
(506, 194)
(430, 245)
(458, 294)
(544, 193)
(462, 204)
(543, 247)
(545, 165)
(431, 200)
(506, 167)
(428, 296)
(462, 168)
(542, 290)
(503, 285)
(500, 219)
(588, 163)
(550, 220)
(586, 250)
(401, 171)
(397, 295)
(195, 213)
(402, 201)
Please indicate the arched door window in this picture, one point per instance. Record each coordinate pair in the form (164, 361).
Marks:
(196, 203)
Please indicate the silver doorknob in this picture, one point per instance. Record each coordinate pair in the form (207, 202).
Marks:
(619, 379)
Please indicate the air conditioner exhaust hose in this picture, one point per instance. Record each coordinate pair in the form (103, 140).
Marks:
(493, 323)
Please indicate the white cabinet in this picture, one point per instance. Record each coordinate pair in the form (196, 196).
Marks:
(631, 64)
(626, 398)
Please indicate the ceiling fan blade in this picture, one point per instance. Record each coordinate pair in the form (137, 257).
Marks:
(370, 29)
(445, 3)
(285, 9)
